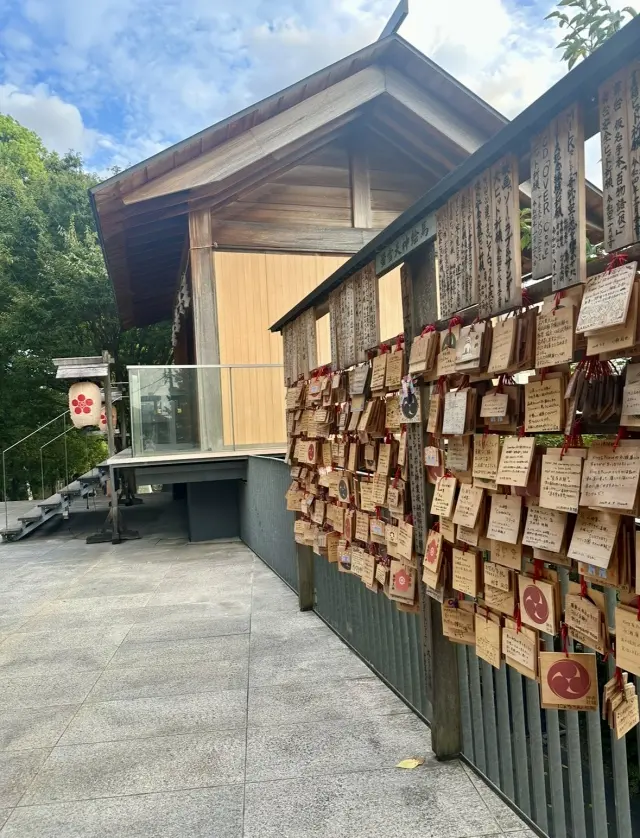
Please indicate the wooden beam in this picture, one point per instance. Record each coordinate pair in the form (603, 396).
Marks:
(360, 187)
(433, 111)
(293, 238)
(419, 306)
(270, 137)
(205, 327)
(410, 153)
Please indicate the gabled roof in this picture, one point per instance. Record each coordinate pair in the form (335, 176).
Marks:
(142, 212)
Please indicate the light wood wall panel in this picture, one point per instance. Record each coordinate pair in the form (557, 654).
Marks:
(390, 305)
(253, 291)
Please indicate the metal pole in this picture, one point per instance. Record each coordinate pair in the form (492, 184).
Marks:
(107, 404)
(4, 489)
(42, 472)
(66, 455)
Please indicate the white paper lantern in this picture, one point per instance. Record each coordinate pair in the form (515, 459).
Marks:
(103, 418)
(84, 404)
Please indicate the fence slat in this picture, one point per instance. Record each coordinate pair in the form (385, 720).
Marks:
(618, 748)
(465, 704)
(523, 795)
(538, 781)
(476, 711)
(489, 713)
(556, 779)
(504, 733)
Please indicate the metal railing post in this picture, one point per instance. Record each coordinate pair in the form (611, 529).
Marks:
(233, 421)
(4, 469)
(66, 454)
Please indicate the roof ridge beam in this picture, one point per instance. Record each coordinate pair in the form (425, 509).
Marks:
(268, 138)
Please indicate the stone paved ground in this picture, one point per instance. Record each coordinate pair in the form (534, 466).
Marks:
(164, 689)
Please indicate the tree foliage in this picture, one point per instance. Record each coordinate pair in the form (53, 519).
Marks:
(588, 24)
(56, 301)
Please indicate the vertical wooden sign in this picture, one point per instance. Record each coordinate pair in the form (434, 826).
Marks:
(507, 271)
(616, 174)
(633, 122)
(541, 185)
(347, 331)
(302, 344)
(334, 328)
(483, 227)
(446, 281)
(367, 313)
(469, 287)
(568, 229)
(310, 339)
(288, 352)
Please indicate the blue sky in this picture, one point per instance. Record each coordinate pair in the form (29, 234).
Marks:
(118, 80)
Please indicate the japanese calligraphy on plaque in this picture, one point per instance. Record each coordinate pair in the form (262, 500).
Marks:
(541, 184)
(633, 121)
(568, 226)
(456, 253)
(506, 288)
(616, 175)
(367, 314)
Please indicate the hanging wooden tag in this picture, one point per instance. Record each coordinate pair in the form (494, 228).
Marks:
(402, 582)
(568, 681)
(377, 530)
(384, 459)
(486, 456)
(538, 604)
(520, 648)
(627, 639)
(446, 363)
(555, 337)
(494, 405)
(367, 503)
(515, 461)
(378, 372)
(585, 622)
(606, 298)
(418, 354)
(380, 483)
(433, 552)
(432, 456)
(395, 370)
(470, 535)
(458, 622)
(497, 576)
(469, 347)
(368, 574)
(362, 527)
(466, 576)
(444, 496)
(405, 541)
(544, 406)
(489, 638)
(503, 346)
(382, 573)
(545, 529)
(610, 477)
(468, 506)
(448, 530)
(560, 483)
(502, 601)
(504, 518)
(594, 537)
(455, 412)
(435, 409)
(458, 453)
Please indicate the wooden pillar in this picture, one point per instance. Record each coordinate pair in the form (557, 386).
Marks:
(419, 306)
(205, 329)
(305, 577)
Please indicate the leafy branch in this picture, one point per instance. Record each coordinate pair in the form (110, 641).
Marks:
(591, 23)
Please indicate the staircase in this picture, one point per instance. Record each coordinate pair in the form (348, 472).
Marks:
(57, 504)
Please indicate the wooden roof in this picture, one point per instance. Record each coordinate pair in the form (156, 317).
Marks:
(389, 89)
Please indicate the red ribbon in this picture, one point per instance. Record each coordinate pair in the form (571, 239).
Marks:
(485, 434)
(518, 617)
(564, 631)
(396, 477)
(619, 678)
(616, 260)
(520, 431)
(526, 298)
(537, 569)
(384, 347)
(399, 342)
(427, 330)
(455, 321)
(556, 301)
(622, 434)
(583, 587)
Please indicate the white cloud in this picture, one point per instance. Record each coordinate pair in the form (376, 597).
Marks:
(59, 124)
(151, 72)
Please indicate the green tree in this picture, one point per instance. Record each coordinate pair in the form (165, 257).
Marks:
(589, 23)
(56, 301)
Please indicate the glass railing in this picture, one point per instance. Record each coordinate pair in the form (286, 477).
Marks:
(183, 409)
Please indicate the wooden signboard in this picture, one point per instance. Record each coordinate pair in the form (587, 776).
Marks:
(515, 461)
(506, 286)
(538, 604)
(560, 483)
(594, 537)
(541, 191)
(458, 622)
(367, 313)
(456, 252)
(568, 226)
(504, 518)
(628, 640)
(616, 170)
(483, 221)
(633, 121)
(466, 572)
(544, 529)
(606, 298)
(489, 639)
(486, 456)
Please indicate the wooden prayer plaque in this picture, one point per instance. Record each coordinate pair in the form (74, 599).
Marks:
(488, 640)
(504, 518)
(515, 461)
(538, 604)
(568, 681)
